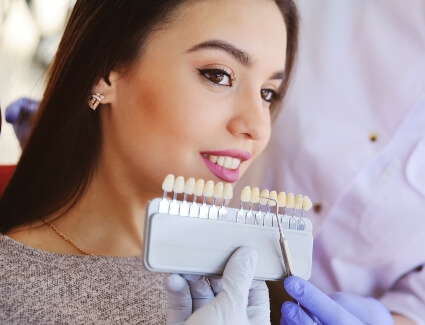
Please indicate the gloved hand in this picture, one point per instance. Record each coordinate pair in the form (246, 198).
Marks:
(338, 309)
(20, 114)
(233, 299)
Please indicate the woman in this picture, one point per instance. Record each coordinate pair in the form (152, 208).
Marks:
(138, 89)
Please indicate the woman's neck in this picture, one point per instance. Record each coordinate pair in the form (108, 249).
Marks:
(108, 219)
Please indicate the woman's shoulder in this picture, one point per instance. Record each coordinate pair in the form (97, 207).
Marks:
(14, 254)
(48, 284)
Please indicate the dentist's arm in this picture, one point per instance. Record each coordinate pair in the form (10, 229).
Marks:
(233, 299)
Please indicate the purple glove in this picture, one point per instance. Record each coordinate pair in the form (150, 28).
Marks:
(339, 309)
(20, 114)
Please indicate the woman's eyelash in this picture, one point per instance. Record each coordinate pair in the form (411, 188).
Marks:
(218, 76)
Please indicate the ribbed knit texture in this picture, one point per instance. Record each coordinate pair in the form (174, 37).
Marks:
(39, 287)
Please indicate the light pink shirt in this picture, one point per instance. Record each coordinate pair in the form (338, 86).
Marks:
(361, 73)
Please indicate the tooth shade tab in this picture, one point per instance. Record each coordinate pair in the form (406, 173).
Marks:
(189, 186)
(178, 185)
(281, 199)
(199, 187)
(272, 195)
(298, 202)
(264, 194)
(168, 183)
(255, 195)
(218, 190)
(208, 189)
(228, 191)
(290, 200)
(307, 204)
(246, 194)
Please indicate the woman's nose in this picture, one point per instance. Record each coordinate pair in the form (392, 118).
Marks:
(251, 118)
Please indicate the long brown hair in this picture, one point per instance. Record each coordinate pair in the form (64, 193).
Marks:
(61, 155)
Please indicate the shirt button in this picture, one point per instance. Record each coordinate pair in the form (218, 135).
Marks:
(373, 137)
(317, 207)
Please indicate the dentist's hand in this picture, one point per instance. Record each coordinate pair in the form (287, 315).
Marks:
(338, 309)
(20, 114)
(233, 299)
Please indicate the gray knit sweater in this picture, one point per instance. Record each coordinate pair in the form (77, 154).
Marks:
(38, 287)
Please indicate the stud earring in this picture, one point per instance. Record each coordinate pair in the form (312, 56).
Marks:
(94, 100)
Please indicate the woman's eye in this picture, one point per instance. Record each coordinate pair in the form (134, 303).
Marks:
(269, 95)
(217, 76)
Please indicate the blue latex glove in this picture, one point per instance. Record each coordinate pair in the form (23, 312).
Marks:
(20, 114)
(233, 299)
(338, 309)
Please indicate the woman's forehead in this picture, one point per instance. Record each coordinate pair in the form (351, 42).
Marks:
(248, 24)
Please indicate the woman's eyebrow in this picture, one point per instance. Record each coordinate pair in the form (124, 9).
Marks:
(278, 75)
(243, 57)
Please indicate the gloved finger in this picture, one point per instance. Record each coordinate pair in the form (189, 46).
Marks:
(239, 272)
(318, 303)
(216, 284)
(178, 298)
(283, 321)
(21, 106)
(200, 290)
(258, 302)
(230, 305)
(292, 314)
(368, 310)
(258, 293)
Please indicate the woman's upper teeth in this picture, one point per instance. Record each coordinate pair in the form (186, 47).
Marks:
(225, 161)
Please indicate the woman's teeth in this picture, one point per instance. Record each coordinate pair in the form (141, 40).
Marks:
(224, 161)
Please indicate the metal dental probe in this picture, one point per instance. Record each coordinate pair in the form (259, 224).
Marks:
(284, 247)
(287, 260)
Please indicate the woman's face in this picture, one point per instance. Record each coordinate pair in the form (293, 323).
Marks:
(197, 103)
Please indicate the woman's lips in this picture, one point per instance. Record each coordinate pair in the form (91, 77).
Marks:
(225, 164)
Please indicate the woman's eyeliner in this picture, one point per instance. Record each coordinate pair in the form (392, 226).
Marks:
(220, 77)
(217, 76)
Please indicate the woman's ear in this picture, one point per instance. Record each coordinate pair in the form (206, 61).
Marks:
(106, 87)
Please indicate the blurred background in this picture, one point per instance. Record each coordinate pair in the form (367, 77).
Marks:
(30, 31)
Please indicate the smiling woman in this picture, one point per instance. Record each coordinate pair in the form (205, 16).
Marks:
(137, 90)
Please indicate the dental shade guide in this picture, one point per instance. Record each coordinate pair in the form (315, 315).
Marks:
(193, 238)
